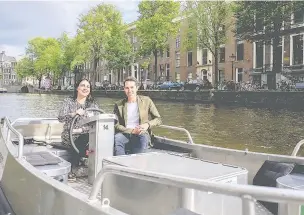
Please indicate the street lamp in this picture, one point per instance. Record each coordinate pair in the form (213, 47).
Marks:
(232, 57)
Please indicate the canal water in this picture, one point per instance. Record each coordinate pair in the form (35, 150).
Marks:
(258, 129)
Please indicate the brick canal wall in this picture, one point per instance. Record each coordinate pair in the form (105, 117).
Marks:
(242, 98)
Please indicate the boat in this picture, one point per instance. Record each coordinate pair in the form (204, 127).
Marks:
(3, 90)
(172, 177)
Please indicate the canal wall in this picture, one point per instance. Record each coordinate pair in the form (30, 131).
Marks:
(270, 99)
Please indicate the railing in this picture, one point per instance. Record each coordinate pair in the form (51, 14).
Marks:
(8, 136)
(179, 129)
(248, 193)
(36, 119)
(297, 148)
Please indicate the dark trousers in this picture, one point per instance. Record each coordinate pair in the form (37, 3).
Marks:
(136, 143)
(81, 144)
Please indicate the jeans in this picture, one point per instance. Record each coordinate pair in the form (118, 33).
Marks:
(136, 143)
(81, 144)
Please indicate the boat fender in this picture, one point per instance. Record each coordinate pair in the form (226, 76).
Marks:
(267, 176)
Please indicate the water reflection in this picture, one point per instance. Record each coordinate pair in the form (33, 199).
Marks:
(275, 131)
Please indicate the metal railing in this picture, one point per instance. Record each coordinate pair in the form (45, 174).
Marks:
(248, 193)
(14, 131)
(297, 148)
(179, 129)
(36, 119)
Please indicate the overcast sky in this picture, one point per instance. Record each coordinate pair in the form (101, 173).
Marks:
(21, 21)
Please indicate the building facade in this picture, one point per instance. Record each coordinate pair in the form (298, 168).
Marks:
(7, 69)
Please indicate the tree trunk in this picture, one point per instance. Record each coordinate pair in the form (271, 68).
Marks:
(93, 76)
(216, 72)
(155, 75)
(39, 82)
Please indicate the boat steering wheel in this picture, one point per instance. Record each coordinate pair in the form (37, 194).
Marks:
(73, 122)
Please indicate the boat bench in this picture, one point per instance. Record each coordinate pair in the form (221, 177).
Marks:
(50, 164)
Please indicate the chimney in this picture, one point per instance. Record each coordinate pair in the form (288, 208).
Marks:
(3, 52)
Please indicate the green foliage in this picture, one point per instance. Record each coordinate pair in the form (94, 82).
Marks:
(45, 56)
(264, 21)
(102, 36)
(24, 67)
(155, 25)
(270, 14)
(209, 22)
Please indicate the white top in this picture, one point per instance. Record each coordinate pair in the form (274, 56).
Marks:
(133, 115)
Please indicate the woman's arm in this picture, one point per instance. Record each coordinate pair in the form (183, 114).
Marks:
(65, 111)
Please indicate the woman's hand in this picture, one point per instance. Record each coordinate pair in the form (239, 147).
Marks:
(80, 111)
(77, 130)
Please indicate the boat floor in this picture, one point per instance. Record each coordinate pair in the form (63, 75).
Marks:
(82, 185)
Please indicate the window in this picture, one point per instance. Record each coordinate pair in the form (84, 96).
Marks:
(177, 59)
(259, 55)
(299, 16)
(222, 55)
(267, 53)
(167, 71)
(177, 77)
(240, 52)
(221, 76)
(239, 75)
(286, 57)
(204, 75)
(297, 49)
(177, 42)
(259, 26)
(205, 56)
(189, 58)
(168, 52)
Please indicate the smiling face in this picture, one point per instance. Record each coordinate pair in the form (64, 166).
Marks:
(130, 89)
(84, 88)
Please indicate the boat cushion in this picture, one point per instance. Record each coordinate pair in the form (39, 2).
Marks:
(267, 176)
(42, 158)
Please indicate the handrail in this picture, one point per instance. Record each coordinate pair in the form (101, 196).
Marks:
(19, 135)
(26, 119)
(297, 148)
(248, 193)
(179, 129)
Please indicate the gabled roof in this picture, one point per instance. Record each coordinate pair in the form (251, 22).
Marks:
(5, 58)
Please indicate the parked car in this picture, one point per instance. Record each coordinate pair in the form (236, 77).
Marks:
(168, 85)
(196, 85)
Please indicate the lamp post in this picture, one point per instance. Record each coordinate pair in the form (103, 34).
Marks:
(232, 57)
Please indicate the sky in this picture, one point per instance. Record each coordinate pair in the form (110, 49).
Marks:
(21, 21)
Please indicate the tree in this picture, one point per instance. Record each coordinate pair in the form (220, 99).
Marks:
(96, 29)
(45, 55)
(119, 49)
(155, 26)
(24, 67)
(209, 22)
(264, 21)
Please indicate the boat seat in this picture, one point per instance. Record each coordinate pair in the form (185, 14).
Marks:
(267, 176)
(42, 158)
(50, 164)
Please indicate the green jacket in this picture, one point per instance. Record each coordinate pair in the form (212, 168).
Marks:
(146, 108)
